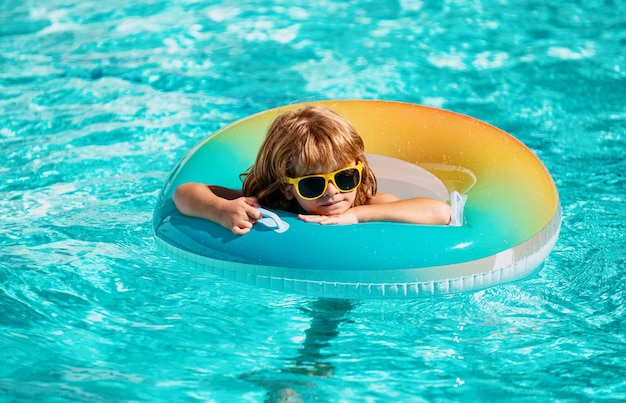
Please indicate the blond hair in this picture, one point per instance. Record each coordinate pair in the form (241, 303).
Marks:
(297, 143)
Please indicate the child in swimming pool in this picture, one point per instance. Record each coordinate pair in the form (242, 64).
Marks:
(312, 162)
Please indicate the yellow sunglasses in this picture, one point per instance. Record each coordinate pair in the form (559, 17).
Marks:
(312, 187)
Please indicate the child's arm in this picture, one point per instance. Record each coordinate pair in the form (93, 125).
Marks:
(386, 207)
(419, 210)
(226, 207)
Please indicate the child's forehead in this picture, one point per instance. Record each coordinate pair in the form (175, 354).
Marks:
(322, 167)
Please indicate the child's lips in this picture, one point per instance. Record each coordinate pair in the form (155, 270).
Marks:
(331, 203)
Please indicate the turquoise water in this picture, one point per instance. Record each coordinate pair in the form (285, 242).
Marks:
(99, 100)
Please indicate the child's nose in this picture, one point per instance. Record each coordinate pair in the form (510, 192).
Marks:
(331, 189)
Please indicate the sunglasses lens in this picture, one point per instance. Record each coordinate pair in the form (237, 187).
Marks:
(347, 179)
(312, 187)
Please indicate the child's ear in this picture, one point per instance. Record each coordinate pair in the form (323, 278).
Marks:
(287, 192)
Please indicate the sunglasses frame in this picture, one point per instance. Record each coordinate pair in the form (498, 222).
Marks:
(327, 178)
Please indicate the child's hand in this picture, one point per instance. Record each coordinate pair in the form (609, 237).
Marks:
(342, 219)
(239, 215)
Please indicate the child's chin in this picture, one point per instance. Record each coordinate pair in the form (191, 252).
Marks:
(335, 209)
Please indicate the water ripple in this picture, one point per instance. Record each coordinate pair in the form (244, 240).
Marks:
(100, 100)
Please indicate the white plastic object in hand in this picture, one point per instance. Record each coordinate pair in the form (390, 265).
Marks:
(457, 204)
(272, 220)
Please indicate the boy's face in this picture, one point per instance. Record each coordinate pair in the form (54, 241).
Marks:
(332, 202)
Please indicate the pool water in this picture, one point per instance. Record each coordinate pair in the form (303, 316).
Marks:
(99, 100)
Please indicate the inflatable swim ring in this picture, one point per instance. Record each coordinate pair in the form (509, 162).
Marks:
(512, 216)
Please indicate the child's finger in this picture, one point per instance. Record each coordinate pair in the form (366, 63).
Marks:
(252, 201)
(312, 218)
(240, 231)
(253, 214)
(242, 228)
